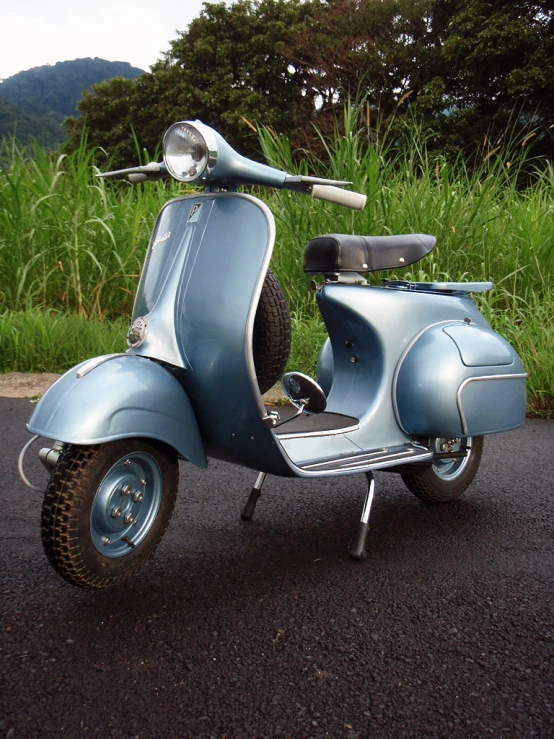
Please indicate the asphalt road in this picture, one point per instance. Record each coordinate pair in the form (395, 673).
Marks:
(268, 629)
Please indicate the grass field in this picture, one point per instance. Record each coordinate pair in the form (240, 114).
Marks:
(72, 245)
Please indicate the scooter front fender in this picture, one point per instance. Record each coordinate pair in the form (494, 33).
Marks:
(118, 397)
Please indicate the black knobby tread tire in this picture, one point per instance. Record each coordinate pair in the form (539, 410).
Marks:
(272, 334)
(430, 488)
(64, 528)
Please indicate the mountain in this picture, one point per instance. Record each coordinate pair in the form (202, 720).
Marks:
(46, 128)
(36, 102)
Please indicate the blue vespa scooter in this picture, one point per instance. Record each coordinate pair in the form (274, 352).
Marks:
(410, 379)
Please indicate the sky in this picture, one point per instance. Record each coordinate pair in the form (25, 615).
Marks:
(38, 32)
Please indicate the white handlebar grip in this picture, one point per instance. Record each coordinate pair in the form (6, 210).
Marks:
(137, 177)
(349, 199)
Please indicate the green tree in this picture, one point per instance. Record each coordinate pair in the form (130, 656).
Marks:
(467, 68)
(233, 64)
(230, 69)
(371, 47)
(378, 50)
(495, 70)
(106, 119)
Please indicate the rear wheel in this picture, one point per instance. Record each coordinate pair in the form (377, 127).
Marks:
(106, 508)
(446, 479)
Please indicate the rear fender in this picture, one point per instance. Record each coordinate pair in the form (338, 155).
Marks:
(117, 397)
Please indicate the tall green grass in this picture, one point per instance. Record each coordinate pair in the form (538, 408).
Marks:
(50, 341)
(488, 226)
(74, 244)
(69, 240)
(494, 222)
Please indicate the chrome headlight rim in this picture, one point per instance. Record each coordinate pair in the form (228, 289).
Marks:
(211, 150)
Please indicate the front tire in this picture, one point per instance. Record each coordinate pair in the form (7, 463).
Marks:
(105, 509)
(446, 479)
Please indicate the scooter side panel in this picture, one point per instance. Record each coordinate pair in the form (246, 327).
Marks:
(123, 397)
(199, 292)
(460, 380)
(492, 403)
(384, 354)
(370, 329)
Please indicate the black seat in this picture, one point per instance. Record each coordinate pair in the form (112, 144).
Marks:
(335, 253)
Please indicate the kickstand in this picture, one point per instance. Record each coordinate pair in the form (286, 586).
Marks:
(358, 550)
(248, 510)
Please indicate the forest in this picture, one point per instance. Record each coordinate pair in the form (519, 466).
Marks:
(467, 69)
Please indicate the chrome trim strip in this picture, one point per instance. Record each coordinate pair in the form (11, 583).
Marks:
(417, 456)
(357, 460)
(96, 362)
(211, 146)
(312, 434)
(375, 465)
(256, 296)
(403, 357)
(521, 376)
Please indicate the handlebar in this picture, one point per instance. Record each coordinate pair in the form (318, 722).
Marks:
(330, 191)
(331, 194)
(150, 171)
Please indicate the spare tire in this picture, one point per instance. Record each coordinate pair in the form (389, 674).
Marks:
(272, 334)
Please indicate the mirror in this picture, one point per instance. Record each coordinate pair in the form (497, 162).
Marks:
(304, 393)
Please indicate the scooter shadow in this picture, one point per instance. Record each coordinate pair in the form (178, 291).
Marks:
(298, 540)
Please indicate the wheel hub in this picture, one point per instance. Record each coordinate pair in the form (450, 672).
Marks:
(126, 504)
(450, 469)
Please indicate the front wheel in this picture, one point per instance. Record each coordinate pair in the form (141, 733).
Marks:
(106, 508)
(447, 478)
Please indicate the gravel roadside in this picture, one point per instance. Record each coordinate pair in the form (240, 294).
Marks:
(22, 385)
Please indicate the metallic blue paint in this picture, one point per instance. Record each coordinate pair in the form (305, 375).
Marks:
(113, 533)
(199, 291)
(403, 362)
(325, 367)
(460, 380)
(413, 363)
(124, 397)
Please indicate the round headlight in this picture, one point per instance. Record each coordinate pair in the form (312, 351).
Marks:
(185, 152)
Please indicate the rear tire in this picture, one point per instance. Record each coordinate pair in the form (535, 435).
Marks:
(446, 479)
(105, 509)
(272, 334)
